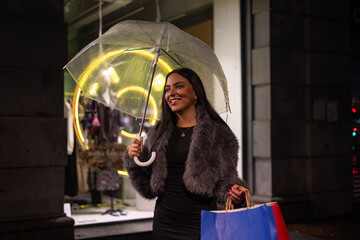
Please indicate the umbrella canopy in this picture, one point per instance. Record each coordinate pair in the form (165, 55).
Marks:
(116, 69)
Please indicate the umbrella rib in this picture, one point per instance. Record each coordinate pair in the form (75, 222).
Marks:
(171, 57)
(127, 38)
(136, 49)
(198, 60)
(157, 44)
(148, 35)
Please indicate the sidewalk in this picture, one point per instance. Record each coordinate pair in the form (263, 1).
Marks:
(334, 228)
(339, 228)
(300, 236)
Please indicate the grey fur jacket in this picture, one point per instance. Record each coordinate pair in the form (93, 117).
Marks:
(210, 168)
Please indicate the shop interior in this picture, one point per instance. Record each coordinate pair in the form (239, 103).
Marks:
(97, 186)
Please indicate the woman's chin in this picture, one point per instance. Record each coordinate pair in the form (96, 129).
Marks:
(175, 110)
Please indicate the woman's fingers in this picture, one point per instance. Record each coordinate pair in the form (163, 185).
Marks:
(135, 148)
(134, 152)
(141, 144)
(235, 198)
(236, 195)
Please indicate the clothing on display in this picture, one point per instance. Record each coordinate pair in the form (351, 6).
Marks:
(71, 183)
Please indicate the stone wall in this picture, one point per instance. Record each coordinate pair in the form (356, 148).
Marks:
(33, 129)
(301, 83)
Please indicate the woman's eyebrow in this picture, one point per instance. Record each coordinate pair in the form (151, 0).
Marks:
(168, 85)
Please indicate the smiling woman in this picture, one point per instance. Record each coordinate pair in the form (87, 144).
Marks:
(195, 167)
(181, 98)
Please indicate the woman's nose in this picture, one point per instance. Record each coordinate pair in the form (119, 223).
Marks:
(172, 91)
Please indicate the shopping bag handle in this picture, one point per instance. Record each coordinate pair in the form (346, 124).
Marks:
(147, 163)
(249, 202)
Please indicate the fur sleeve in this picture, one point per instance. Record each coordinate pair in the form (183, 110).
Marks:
(140, 176)
(229, 175)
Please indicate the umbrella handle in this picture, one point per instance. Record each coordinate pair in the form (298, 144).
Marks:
(147, 163)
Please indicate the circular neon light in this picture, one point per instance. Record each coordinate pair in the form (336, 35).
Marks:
(95, 64)
(77, 127)
(145, 93)
(159, 82)
(98, 61)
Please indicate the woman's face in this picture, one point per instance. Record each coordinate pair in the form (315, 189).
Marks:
(180, 94)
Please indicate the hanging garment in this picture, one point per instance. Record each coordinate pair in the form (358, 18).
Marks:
(110, 124)
(82, 172)
(70, 127)
(71, 184)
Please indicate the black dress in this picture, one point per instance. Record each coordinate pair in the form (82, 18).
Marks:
(177, 212)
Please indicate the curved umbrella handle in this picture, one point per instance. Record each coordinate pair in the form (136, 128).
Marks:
(148, 162)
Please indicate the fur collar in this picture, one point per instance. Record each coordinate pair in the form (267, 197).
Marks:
(203, 165)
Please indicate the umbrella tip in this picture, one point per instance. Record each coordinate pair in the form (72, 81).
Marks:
(158, 14)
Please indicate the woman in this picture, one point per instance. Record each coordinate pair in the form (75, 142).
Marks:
(195, 166)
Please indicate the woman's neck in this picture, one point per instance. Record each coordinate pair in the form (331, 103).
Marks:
(187, 120)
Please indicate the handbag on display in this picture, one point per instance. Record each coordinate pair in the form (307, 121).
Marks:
(95, 123)
(259, 222)
(107, 180)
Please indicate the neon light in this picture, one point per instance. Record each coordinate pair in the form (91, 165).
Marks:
(130, 135)
(98, 61)
(76, 116)
(151, 56)
(94, 88)
(76, 100)
(95, 64)
(115, 78)
(124, 173)
(159, 82)
(145, 93)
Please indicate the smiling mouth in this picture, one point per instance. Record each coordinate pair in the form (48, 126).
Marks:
(174, 101)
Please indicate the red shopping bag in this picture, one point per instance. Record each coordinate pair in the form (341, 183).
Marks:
(258, 222)
(282, 232)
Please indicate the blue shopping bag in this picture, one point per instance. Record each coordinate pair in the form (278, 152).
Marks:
(260, 222)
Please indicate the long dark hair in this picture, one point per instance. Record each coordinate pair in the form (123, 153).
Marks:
(168, 116)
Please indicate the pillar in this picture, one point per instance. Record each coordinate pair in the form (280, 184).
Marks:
(301, 86)
(227, 47)
(33, 129)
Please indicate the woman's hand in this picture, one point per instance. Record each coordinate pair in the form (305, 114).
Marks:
(135, 148)
(235, 194)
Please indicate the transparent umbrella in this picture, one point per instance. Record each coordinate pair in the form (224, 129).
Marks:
(125, 68)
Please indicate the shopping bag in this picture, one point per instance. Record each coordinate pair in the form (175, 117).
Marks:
(259, 222)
